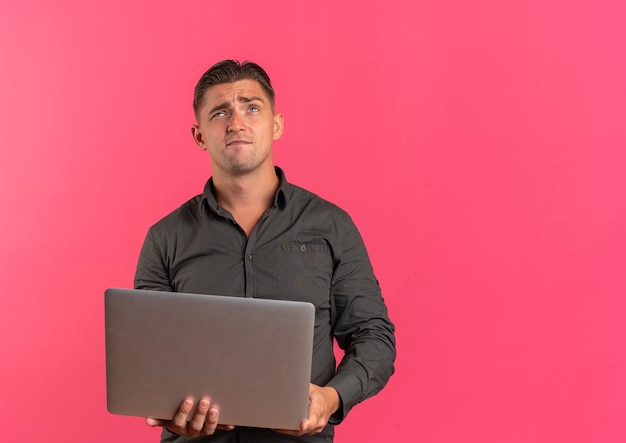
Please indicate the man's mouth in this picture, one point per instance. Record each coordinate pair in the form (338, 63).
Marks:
(237, 142)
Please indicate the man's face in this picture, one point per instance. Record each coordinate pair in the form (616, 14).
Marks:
(237, 126)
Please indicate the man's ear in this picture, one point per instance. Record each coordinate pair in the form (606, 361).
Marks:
(197, 137)
(279, 122)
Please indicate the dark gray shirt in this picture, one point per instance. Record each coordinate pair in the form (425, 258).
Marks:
(302, 248)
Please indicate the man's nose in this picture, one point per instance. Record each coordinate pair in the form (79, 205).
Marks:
(235, 123)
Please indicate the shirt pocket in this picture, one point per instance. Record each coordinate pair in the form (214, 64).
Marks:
(306, 270)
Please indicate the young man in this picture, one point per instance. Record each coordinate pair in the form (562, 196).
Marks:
(252, 234)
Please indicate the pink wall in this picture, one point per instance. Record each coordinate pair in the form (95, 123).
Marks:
(479, 145)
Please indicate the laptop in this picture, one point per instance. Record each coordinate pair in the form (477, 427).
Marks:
(251, 357)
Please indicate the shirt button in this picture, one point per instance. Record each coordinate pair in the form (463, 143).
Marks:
(303, 248)
(249, 256)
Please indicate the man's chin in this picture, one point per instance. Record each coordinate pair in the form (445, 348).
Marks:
(237, 170)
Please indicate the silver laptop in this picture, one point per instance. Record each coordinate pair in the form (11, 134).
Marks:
(250, 357)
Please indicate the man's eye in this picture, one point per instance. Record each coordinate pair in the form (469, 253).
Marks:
(218, 114)
(254, 109)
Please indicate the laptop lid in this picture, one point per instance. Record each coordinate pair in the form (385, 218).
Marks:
(250, 357)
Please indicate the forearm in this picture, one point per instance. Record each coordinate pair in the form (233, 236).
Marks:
(365, 369)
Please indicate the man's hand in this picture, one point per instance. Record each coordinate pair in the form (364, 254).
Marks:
(202, 422)
(323, 402)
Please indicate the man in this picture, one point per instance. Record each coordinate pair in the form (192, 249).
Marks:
(252, 234)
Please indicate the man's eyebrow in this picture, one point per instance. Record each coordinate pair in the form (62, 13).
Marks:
(223, 105)
(249, 99)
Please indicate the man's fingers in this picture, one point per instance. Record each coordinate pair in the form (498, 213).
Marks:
(202, 422)
(210, 423)
(155, 422)
(225, 427)
(312, 425)
(196, 424)
(180, 419)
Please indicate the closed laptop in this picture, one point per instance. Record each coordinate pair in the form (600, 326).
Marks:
(251, 357)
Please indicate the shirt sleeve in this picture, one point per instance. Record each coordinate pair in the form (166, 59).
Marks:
(151, 270)
(361, 325)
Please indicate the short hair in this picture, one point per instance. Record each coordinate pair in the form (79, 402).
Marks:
(229, 71)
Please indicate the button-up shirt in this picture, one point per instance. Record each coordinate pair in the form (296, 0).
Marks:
(302, 248)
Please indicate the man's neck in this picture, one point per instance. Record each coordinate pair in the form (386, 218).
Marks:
(248, 193)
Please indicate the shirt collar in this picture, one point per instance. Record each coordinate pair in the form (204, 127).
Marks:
(280, 199)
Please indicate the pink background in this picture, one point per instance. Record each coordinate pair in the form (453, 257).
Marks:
(479, 146)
